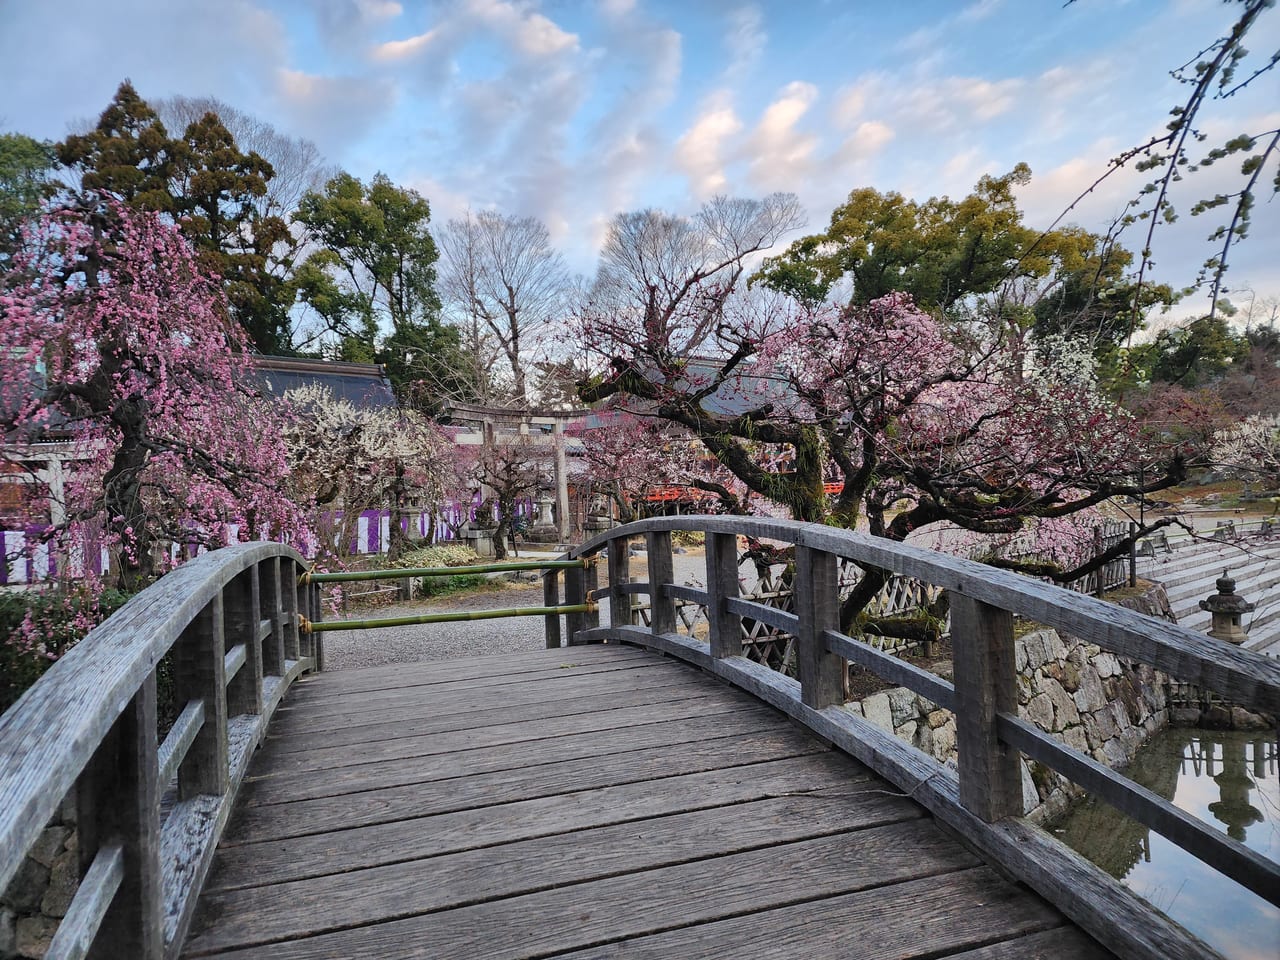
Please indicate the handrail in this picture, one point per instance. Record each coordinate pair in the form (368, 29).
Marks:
(982, 799)
(88, 728)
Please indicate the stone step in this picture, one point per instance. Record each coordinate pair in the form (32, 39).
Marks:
(1258, 587)
(1208, 565)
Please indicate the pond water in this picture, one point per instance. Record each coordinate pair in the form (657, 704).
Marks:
(1227, 779)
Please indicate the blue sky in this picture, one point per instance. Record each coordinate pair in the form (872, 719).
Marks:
(573, 111)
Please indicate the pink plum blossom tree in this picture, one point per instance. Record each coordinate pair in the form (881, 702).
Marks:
(118, 343)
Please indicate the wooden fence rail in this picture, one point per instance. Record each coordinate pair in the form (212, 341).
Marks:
(228, 624)
(983, 798)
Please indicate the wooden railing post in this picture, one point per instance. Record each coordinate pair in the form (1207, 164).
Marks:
(551, 598)
(985, 683)
(817, 604)
(118, 802)
(621, 610)
(315, 646)
(662, 605)
(722, 585)
(272, 609)
(289, 590)
(198, 674)
(590, 588)
(575, 592)
(240, 619)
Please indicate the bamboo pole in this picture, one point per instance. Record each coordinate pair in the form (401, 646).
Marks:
(351, 576)
(309, 626)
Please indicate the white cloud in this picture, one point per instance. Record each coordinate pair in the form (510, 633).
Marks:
(700, 151)
(404, 49)
(779, 152)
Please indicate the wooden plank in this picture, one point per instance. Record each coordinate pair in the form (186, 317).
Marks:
(422, 719)
(986, 684)
(817, 603)
(332, 760)
(662, 607)
(301, 817)
(575, 592)
(289, 589)
(498, 687)
(918, 919)
(723, 585)
(508, 756)
(245, 917)
(499, 666)
(821, 777)
(78, 929)
(635, 904)
(1064, 943)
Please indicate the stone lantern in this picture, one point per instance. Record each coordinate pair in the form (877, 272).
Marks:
(1226, 609)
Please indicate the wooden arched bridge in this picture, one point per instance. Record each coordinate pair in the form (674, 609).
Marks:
(635, 792)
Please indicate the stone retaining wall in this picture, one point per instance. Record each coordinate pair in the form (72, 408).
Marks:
(41, 891)
(1095, 702)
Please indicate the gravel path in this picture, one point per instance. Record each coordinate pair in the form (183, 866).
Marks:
(349, 649)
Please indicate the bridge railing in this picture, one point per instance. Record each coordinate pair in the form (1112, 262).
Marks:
(982, 799)
(227, 622)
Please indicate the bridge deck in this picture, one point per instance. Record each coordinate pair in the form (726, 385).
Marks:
(586, 802)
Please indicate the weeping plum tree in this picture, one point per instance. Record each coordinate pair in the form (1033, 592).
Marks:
(118, 342)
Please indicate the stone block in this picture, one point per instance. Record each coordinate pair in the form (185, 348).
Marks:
(27, 887)
(877, 710)
(64, 879)
(48, 845)
(1030, 796)
(1076, 738)
(937, 718)
(1054, 649)
(944, 741)
(907, 731)
(1115, 754)
(1242, 719)
(34, 936)
(1089, 696)
(1106, 664)
(1040, 711)
(1064, 708)
(1020, 655)
(902, 704)
(855, 708)
(1034, 643)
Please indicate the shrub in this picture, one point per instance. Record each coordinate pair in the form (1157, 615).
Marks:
(39, 626)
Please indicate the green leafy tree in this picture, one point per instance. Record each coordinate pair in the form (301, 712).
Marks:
(25, 168)
(371, 282)
(939, 251)
(210, 187)
(1192, 356)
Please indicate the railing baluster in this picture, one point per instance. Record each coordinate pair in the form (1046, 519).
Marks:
(118, 802)
(817, 603)
(590, 586)
(723, 585)
(198, 674)
(575, 592)
(621, 611)
(315, 645)
(985, 683)
(551, 598)
(272, 609)
(661, 571)
(240, 616)
(289, 591)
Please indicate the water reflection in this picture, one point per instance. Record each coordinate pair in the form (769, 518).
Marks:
(1224, 778)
